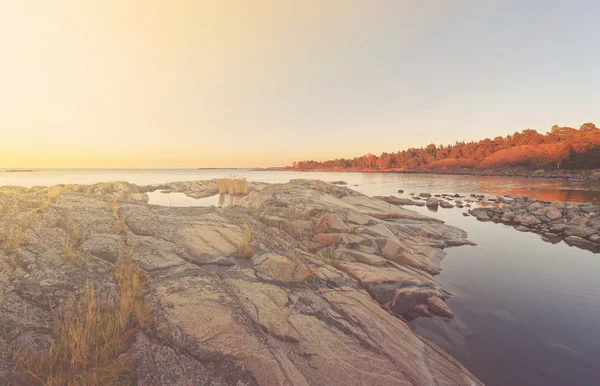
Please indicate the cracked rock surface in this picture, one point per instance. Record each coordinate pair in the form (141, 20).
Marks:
(324, 298)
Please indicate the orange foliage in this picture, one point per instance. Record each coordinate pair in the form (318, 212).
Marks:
(562, 147)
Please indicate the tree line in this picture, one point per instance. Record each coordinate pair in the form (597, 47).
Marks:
(561, 147)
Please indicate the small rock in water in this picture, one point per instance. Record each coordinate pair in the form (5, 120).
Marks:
(432, 203)
(446, 204)
(425, 195)
(400, 191)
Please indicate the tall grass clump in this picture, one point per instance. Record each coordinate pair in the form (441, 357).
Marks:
(245, 248)
(91, 332)
(233, 185)
(69, 247)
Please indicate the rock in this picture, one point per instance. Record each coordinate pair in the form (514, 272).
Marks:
(425, 195)
(328, 223)
(400, 191)
(578, 220)
(522, 228)
(280, 268)
(358, 218)
(400, 201)
(465, 214)
(481, 214)
(527, 220)
(551, 237)
(553, 213)
(339, 183)
(594, 238)
(508, 216)
(104, 246)
(579, 231)
(432, 203)
(48, 282)
(436, 306)
(557, 227)
(367, 258)
(328, 238)
(446, 204)
(594, 222)
(292, 313)
(576, 241)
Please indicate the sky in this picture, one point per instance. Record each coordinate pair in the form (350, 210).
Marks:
(226, 83)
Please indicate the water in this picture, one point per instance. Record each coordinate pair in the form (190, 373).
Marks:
(527, 312)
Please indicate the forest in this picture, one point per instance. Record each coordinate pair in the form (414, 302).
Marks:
(560, 148)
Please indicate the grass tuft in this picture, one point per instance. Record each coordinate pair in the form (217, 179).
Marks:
(54, 192)
(245, 248)
(69, 249)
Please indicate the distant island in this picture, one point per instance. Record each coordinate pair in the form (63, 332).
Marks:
(20, 171)
(560, 150)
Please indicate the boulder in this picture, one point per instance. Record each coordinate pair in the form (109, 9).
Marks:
(553, 213)
(432, 203)
(579, 231)
(436, 306)
(527, 220)
(446, 204)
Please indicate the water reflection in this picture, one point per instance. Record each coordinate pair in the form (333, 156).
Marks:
(172, 199)
(526, 311)
(226, 199)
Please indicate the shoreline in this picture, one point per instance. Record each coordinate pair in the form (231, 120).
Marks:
(575, 175)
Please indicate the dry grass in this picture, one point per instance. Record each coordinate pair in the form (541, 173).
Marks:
(328, 256)
(119, 222)
(91, 332)
(69, 249)
(245, 248)
(54, 192)
(11, 239)
(13, 236)
(237, 186)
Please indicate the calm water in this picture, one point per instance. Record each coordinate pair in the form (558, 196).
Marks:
(527, 312)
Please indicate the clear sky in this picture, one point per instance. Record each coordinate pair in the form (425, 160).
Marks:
(193, 83)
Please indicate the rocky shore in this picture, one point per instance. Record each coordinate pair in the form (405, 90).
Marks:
(577, 224)
(572, 175)
(303, 283)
